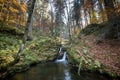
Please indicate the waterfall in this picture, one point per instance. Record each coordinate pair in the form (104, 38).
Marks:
(60, 49)
(63, 58)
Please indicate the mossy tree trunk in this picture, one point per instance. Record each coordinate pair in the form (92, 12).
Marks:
(28, 31)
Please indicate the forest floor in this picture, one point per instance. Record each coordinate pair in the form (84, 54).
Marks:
(107, 53)
(42, 48)
(104, 50)
(35, 51)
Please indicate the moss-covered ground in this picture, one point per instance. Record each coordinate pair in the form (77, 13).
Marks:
(40, 49)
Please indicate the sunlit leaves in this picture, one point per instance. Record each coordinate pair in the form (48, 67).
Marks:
(11, 9)
(23, 8)
(9, 46)
(1, 1)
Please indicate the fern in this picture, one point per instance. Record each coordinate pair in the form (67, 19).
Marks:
(80, 64)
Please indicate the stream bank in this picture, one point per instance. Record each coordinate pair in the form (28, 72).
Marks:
(37, 51)
(97, 49)
(40, 49)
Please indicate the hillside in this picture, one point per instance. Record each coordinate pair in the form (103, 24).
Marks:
(98, 43)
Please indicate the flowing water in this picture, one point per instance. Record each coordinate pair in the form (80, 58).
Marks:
(54, 71)
(63, 58)
(58, 70)
(47, 71)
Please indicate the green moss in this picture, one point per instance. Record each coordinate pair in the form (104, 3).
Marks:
(92, 28)
(41, 48)
(85, 61)
(9, 46)
(109, 29)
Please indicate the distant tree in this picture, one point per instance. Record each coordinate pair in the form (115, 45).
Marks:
(59, 13)
(109, 6)
(28, 31)
(76, 14)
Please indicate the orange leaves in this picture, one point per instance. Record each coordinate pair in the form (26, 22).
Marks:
(2, 1)
(14, 2)
(13, 10)
(19, 6)
(13, 6)
(23, 8)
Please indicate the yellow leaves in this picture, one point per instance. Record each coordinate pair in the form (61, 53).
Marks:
(5, 9)
(2, 1)
(14, 2)
(12, 21)
(10, 58)
(23, 8)
(10, 10)
(19, 6)
(13, 6)
(13, 10)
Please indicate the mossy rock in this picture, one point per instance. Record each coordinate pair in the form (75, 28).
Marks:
(110, 29)
(90, 29)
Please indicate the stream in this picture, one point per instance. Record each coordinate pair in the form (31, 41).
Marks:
(55, 71)
(58, 70)
(46, 71)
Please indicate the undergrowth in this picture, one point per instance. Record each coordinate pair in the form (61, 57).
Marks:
(111, 30)
(41, 48)
(83, 59)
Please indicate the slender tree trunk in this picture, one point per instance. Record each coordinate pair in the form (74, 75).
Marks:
(85, 17)
(51, 26)
(68, 23)
(28, 31)
(26, 34)
(101, 10)
(109, 6)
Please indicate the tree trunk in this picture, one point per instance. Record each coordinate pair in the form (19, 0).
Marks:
(68, 23)
(101, 10)
(51, 27)
(109, 6)
(28, 31)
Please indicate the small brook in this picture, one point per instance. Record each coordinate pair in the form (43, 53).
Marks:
(58, 70)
